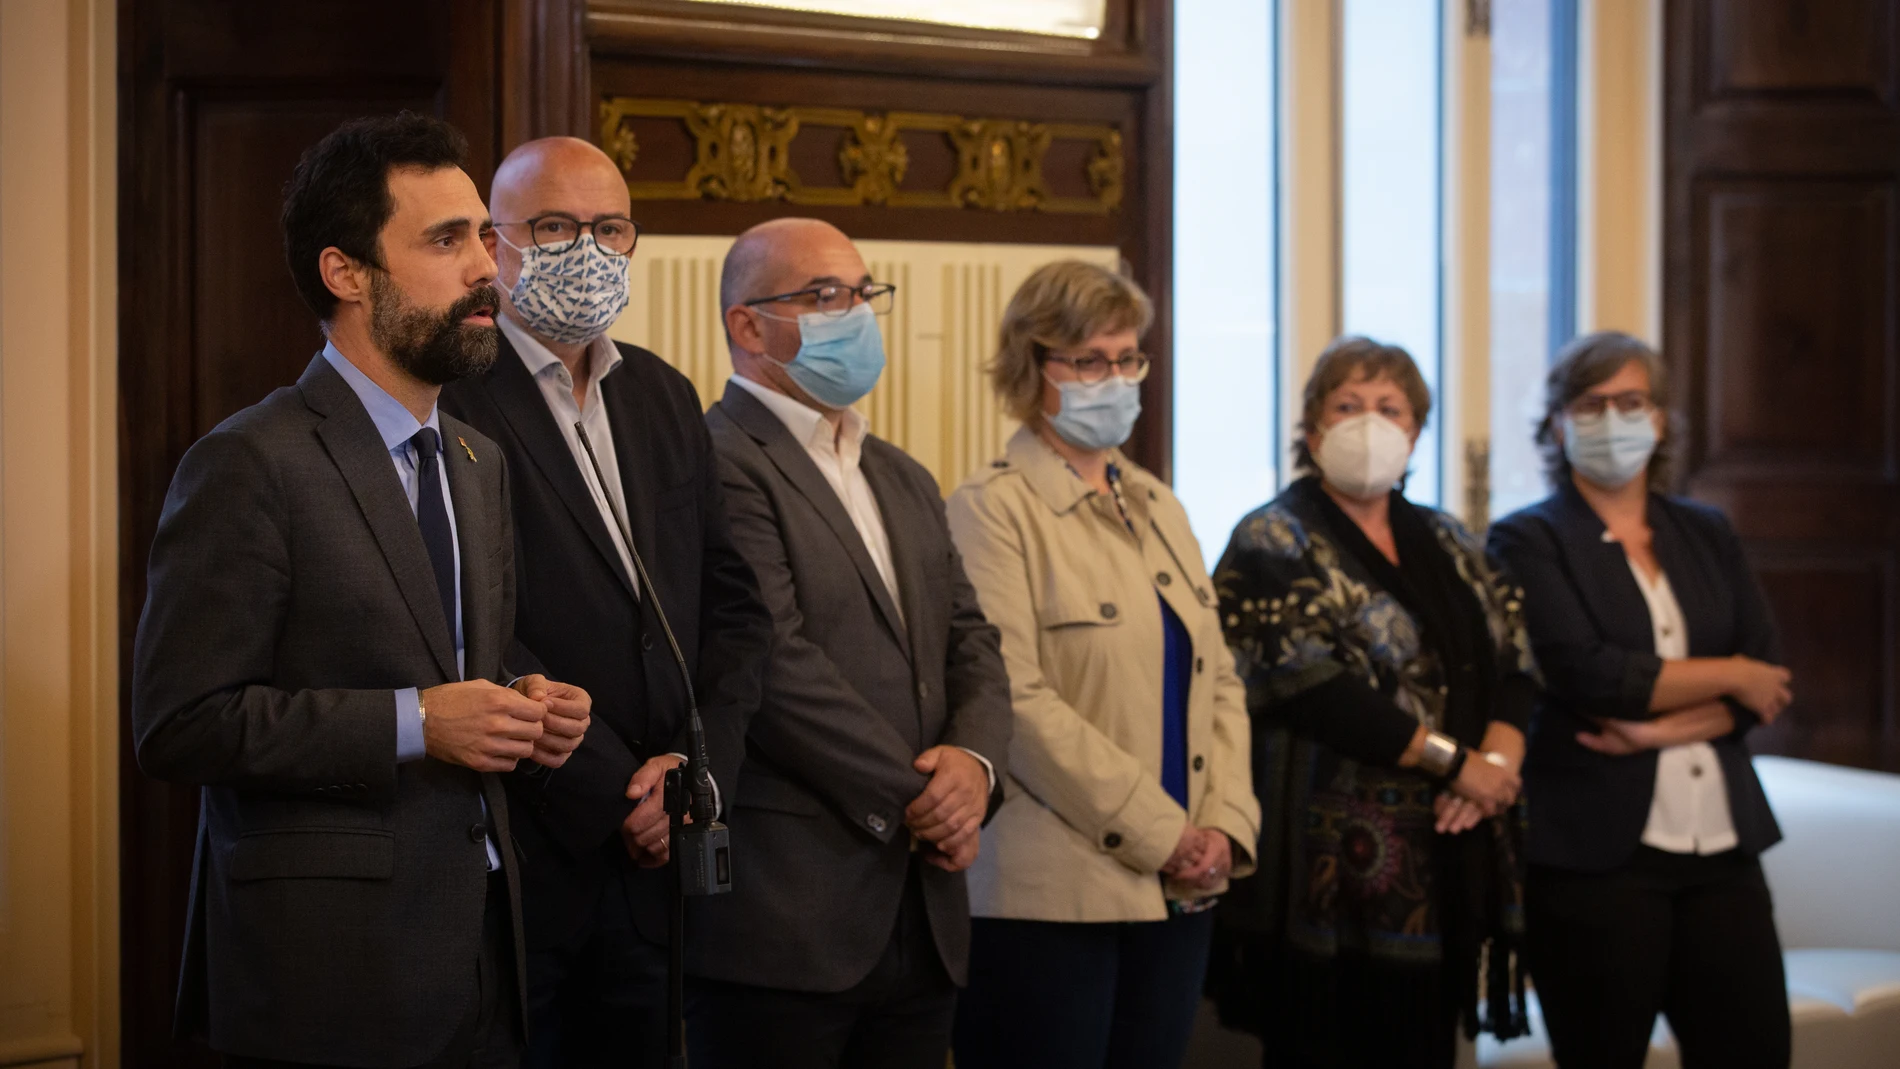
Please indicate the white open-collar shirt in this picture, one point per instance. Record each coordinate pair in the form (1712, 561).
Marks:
(1688, 814)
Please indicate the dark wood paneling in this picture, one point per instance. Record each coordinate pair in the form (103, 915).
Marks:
(1782, 332)
(1801, 47)
(1843, 693)
(1804, 369)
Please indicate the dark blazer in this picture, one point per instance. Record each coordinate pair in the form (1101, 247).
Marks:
(576, 613)
(337, 897)
(854, 692)
(1591, 633)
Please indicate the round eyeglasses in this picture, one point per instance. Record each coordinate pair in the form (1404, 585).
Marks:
(557, 232)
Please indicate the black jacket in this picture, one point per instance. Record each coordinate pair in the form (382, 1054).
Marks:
(578, 616)
(1590, 630)
(336, 896)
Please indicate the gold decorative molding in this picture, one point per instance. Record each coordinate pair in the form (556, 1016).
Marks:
(742, 153)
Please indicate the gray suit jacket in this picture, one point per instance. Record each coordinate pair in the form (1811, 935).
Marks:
(336, 904)
(853, 693)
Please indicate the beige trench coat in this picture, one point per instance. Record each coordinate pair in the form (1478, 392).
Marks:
(1085, 824)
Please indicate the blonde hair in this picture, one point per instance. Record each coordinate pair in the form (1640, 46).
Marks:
(1059, 306)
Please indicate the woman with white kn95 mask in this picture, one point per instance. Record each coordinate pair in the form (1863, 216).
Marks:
(1389, 680)
(1645, 892)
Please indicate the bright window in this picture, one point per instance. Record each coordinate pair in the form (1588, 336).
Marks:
(1390, 214)
(1062, 18)
(1533, 228)
(1226, 434)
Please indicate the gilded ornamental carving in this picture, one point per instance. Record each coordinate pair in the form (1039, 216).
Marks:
(742, 152)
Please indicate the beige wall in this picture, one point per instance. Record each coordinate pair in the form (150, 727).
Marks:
(1619, 158)
(58, 545)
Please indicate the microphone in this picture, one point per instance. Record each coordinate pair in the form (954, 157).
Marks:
(702, 848)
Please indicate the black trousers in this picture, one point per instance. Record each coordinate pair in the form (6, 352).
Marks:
(489, 1036)
(1049, 995)
(1686, 936)
(898, 1017)
(599, 999)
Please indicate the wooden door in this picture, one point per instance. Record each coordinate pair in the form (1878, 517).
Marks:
(217, 100)
(1782, 252)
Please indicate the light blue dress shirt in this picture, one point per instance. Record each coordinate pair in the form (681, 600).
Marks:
(398, 425)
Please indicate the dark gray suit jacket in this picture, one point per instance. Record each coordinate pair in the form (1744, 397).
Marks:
(336, 905)
(853, 693)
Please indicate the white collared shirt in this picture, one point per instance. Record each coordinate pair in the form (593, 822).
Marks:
(557, 389)
(1688, 814)
(838, 455)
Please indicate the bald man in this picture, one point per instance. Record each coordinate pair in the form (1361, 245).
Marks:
(594, 896)
(873, 761)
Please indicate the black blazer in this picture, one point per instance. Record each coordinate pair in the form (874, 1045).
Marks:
(856, 690)
(1591, 632)
(577, 615)
(336, 896)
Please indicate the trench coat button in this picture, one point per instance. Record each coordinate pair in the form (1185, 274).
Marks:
(999, 463)
(1163, 578)
(1199, 762)
(875, 823)
(646, 640)
(1112, 840)
(477, 833)
(1108, 610)
(1203, 595)
(1696, 771)
(1200, 665)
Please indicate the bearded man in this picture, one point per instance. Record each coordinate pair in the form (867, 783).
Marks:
(330, 606)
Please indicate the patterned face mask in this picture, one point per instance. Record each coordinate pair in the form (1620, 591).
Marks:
(571, 296)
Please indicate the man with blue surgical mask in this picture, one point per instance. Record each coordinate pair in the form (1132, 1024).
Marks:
(877, 750)
(595, 837)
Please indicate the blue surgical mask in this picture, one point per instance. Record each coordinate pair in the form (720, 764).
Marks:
(1610, 449)
(1097, 415)
(839, 357)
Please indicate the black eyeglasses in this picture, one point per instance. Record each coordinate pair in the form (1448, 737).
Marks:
(1629, 403)
(557, 232)
(836, 300)
(1091, 368)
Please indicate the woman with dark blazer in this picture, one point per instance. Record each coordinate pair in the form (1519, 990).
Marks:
(1645, 892)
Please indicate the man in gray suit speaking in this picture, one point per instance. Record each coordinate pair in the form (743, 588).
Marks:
(874, 757)
(331, 597)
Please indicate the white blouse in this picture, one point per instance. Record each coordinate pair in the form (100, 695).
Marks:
(1689, 812)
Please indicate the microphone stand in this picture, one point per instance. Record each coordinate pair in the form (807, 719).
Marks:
(698, 854)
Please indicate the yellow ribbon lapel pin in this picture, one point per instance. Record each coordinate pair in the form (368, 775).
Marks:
(466, 449)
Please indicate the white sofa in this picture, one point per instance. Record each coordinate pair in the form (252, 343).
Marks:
(1836, 882)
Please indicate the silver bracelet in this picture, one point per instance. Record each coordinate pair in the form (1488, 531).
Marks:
(1439, 753)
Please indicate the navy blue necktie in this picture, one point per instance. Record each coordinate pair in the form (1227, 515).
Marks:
(432, 513)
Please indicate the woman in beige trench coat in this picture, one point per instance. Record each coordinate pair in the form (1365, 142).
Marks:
(1129, 802)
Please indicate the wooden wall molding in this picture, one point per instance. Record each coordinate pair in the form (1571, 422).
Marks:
(743, 152)
(1781, 333)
